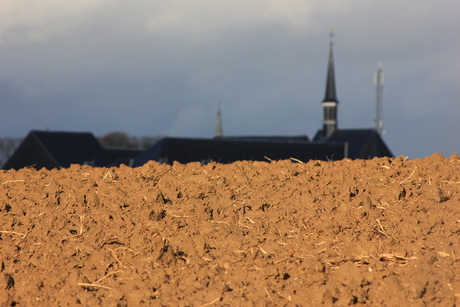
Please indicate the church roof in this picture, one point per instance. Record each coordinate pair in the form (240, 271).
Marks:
(185, 150)
(361, 143)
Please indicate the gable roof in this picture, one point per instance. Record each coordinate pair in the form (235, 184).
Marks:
(185, 150)
(58, 149)
(361, 143)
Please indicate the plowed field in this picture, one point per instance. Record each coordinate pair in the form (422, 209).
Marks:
(381, 232)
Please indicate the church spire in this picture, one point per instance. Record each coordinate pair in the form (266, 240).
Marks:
(330, 98)
(218, 124)
(330, 81)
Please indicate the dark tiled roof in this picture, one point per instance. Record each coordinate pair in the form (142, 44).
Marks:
(58, 149)
(269, 138)
(61, 149)
(185, 150)
(362, 143)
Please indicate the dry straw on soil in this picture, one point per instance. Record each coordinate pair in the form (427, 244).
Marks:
(280, 233)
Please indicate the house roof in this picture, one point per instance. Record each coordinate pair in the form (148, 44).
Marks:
(185, 150)
(58, 149)
(361, 143)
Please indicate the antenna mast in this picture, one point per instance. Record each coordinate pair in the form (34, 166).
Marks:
(378, 82)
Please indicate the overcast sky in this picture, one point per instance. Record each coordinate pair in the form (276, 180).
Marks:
(162, 67)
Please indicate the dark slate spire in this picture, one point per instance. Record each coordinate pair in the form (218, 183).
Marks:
(330, 81)
(330, 101)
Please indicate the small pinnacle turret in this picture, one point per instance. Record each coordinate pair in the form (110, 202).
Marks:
(218, 124)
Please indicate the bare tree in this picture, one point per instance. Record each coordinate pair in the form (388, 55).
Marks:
(123, 140)
(115, 139)
(147, 141)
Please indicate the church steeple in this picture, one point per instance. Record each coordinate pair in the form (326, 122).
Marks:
(330, 100)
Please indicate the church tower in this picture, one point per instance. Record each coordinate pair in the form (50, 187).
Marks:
(330, 101)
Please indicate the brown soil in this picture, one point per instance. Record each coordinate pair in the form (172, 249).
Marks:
(377, 232)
